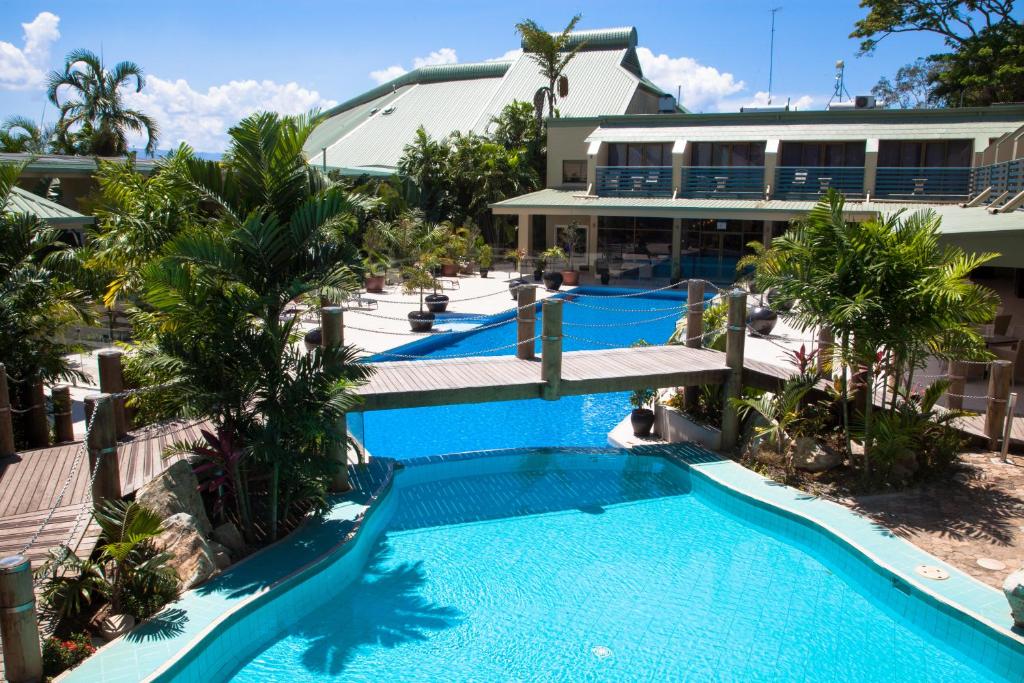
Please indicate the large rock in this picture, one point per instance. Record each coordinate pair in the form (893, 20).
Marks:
(221, 555)
(176, 491)
(808, 455)
(191, 557)
(1013, 589)
(228, 535)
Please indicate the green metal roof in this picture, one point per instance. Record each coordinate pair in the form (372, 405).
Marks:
(621, 38)
(23, 201)
(67, 165)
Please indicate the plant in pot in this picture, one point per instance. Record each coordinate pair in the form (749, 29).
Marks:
(569, 236)
(516, 256)
(553, 278)
(761, 319)
(603, 271)
(538, 268)
(417, 279)
(642, 417)
(485, 257)
(452, 247)
(375, 266)
(436, 302)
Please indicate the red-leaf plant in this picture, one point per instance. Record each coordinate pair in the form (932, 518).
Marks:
(219, 473)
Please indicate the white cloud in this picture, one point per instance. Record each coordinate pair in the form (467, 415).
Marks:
(202, 118)
(703, 87)
(445, 55)
(25, 68)
(760, 99)
(508, 56)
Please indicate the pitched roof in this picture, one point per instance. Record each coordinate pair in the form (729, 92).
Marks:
(66, 164)
(23, 201)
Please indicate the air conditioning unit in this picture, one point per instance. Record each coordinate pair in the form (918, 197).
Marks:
(864, 102)
(666, 104)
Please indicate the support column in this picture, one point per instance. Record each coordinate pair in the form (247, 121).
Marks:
(332, 327)
(6, 421)
(677, 249)
(64, 426)
(102, 447)
(551, 348)
(526, 321)
(38, 422)
(767, 232)
(771, 159)
(826, 351)
(112, 382)
(735, 338)
(957, 373)
(525, 234)
(19, 625)
(999, 380)
(870, 166)
(694, 332)
(592, 242)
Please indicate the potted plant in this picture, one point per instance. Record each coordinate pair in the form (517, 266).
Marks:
(418, 278)
(436, 302)
(569, 236)
(761, 319)
(642, 417)
(538, 268)
(485, 257)
(603, 271)
(375, 266)
(516, 256)
(452, 247)
(553, 278)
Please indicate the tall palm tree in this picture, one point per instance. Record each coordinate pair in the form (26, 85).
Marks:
(22, 134)
(93, 106)
(552, 54)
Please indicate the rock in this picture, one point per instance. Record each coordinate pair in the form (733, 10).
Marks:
(221, 556)
(1013, 589)
(191, 557)
(175, 491)
(228, 535)
(808, 455)
(116, 626)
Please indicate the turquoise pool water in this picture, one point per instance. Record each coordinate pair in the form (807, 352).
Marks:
(592, 322)
(596, 568)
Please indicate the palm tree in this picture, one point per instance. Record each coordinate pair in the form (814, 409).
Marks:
(21, 134)
(95, 108)
(552, 54)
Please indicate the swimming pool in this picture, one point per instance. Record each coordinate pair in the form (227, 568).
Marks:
(602, 566)
(599, 319)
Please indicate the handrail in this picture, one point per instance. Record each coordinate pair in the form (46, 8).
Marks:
(712, 182)
(810, 182)
(634, 181)
(923, 182)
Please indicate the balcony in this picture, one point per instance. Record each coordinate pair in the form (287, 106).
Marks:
(948, 183)
(634, 181)
(723, 182)
(1007, 176)
(810, 182)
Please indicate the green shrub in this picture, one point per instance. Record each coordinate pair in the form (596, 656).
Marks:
(60, 655)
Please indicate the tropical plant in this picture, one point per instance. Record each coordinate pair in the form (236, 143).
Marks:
(375, 264)
(782, 411)
(517, 127)
(93, 116)
(552, 53)
(424, 163)
(418, 278)
(555, 253)
(22, 134)
(485, 255)
(61, 654)
(570, 237)
(402, 238)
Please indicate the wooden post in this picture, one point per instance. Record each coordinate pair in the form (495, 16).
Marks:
(1000, 376)
(64, 426)
(112, 382)
(19, 625)
(957, 372)
(735, 338)
(551, 348)
(38, 422)
(526, 321)
(694, 332)
(332, 328)
(6, 423)
(102, 445)
(826, 351)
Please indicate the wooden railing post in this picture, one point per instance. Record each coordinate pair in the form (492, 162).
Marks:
(38, 422)
(551, 348)
(735, 338)
(957, 372)
(64, 426)
(6, 421)
(1000, 376)
(112, 382)
(19, 625)
(332, 334)
(826, 351)
(694, 332)
(102, 446)
(526, 321)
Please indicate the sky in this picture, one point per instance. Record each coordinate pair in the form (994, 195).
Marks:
(210, 63)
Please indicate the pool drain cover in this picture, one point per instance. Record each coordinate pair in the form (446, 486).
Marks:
(601, 652)
(930, 572)
(991, 564)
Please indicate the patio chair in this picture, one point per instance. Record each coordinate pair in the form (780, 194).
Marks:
(1001, 324)
(1014, 354)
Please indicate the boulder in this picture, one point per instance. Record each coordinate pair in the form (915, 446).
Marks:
(176, 491)
(228, 535)
(810, 456)
(1013, 589)
(221, 556)
(191, 557)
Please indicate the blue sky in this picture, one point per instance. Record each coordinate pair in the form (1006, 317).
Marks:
(212, 62)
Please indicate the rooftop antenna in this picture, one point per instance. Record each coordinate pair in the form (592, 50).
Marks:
(771, 55)
(840, 83)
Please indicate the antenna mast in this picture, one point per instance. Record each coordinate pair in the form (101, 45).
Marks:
(771, 55)
(840, 83)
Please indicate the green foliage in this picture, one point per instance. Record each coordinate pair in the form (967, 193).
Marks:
(912, 86)
(21, 134)
(954, 20)
(485, 255)
(61, 654)
(783, 411)
(93, 117)
(552, 54)
(517, 128)
(555, 253)
(985, 69)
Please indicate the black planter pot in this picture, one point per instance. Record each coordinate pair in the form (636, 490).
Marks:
(553, 280)
(484, 271)
(761, 320)
(642, 420)
(606, 277)
(513, 286)
(421, 321)
(538, 275)
(313, 339)
(436, 303)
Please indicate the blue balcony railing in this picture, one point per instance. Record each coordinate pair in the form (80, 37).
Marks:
(1006, 176)
(931, 182)
(634, 181)
(723, 182)
(810, 182)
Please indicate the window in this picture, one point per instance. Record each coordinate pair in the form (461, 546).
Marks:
(574, 171)
(821, 154)
(727, 154)
(914, 153)
(640, 154)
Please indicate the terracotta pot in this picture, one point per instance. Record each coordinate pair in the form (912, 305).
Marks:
(374, 284)
(450, 269)
(570, 278)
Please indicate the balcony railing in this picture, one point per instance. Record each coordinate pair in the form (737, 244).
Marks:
(634, 181)
(723, 182)
(1006, 176)
(931, 182)
(810, 182)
